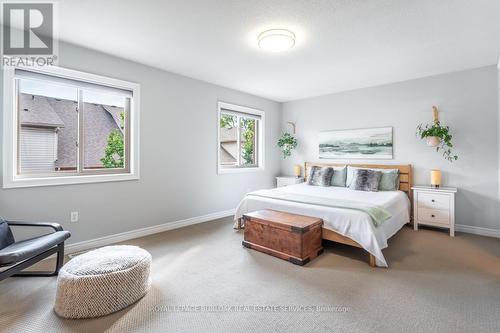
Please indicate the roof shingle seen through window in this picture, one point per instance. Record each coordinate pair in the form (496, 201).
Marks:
(99, 121)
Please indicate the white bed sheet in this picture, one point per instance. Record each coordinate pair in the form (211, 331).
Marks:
(353, 224)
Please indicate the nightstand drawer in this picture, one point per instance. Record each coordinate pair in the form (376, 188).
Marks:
(433, 201)
(433, 216)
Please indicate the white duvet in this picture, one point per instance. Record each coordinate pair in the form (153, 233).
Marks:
(353, 224)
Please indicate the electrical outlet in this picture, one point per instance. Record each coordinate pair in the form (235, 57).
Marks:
(74, 216)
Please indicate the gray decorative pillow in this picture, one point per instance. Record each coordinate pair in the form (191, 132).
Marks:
(320, 176)
(388, 182)
(366, 180)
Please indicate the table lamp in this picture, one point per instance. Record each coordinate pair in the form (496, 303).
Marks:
(435, 178)
(297, 170)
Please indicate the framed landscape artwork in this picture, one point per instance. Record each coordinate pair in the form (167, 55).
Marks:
(368, 143)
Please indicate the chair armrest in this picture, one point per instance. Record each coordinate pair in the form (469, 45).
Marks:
(55, 226)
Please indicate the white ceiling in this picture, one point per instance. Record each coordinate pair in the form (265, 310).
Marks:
(341, 44)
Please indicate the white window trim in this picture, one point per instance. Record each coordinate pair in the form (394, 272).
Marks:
(10, 131)
(221, 106)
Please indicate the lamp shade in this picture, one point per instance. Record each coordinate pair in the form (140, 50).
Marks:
(435, 178)
(297, 170)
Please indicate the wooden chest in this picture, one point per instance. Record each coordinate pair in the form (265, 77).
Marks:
(291, 237)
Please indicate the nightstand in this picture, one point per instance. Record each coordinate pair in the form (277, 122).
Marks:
(285, 181)
(434, 207)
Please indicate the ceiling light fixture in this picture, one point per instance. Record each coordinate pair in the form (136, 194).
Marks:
(276, 40)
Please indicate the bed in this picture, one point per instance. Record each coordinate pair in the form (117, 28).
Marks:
(344, 225)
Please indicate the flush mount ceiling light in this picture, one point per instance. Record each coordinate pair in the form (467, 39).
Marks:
(276, 40)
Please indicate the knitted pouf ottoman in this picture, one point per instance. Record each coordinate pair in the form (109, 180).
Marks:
(102, 281)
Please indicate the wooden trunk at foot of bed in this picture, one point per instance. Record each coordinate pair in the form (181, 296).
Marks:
(405, 184)
(291, 237)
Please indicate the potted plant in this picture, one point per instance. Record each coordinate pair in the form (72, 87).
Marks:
(287, 143)
(438, 136)
(433, 141)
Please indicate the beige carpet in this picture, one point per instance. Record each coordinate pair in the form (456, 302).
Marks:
(434, 284)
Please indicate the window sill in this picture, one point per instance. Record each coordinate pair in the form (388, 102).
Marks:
(222, 171)
(18, 182)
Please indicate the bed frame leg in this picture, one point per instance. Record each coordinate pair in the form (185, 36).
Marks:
(372, 260)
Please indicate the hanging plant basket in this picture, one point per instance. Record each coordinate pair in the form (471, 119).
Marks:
(439, 137)
(287, 143)
(433, 141)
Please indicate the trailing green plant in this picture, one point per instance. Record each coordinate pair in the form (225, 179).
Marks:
(227, 121)
(443, 133)
(287, 143)
(248, 130)
(114, 153)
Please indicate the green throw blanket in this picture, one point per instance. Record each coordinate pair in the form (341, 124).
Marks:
(378, 214)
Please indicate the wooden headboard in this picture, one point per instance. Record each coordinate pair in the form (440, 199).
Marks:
(405, 173)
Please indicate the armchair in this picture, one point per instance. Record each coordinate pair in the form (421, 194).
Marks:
(22, 254)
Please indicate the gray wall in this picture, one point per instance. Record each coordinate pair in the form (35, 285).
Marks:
(178, 157)
(468, 104)
(178, 146)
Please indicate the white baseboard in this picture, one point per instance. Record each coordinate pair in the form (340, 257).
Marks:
(127, 235)
(478, 230)
(116, 238)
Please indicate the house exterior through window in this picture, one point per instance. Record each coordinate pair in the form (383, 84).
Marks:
(240, 138)
(69, 127)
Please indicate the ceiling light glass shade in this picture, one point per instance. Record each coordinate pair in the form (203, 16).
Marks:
(276, 40)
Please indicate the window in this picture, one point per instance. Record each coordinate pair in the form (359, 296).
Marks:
(240, 138)
(68, 127)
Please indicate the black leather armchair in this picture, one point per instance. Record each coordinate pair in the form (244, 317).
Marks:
(22, 254)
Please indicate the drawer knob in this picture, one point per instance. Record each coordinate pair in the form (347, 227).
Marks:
(433, 200)
(433, 215)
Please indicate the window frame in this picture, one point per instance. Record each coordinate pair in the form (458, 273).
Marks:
(224, 107)
(11, 176)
